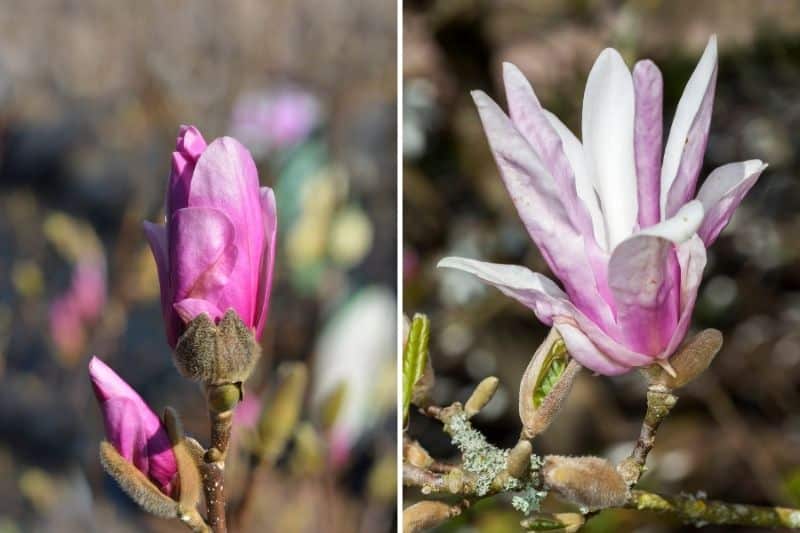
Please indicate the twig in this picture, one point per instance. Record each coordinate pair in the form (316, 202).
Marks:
(700, 511)
(660, 402)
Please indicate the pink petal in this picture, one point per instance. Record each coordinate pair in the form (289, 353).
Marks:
(582, 350)
(189, 308)
(226, 179)
(549, 303)
(722, 192)
(188, 147)
(688, 136)
(532, 122)
(649, 89)
(692, 261)
(270, 217)
(536, 198)
(132, 427)
(641, 278)
(157, 237)
(202, 253)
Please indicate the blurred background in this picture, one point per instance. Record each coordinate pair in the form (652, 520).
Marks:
(91, 97)
(735, 433)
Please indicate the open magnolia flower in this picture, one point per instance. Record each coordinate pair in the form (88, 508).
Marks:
(217, 249)
(619, 225)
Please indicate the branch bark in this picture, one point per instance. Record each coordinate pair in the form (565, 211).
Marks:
(213, 470)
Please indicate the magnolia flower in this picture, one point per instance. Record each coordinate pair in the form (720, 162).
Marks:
(133, 428)
(275, 119)
(217, 249)
(617, 223)
(80, 307)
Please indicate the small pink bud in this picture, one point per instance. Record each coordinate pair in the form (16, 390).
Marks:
(134, 430)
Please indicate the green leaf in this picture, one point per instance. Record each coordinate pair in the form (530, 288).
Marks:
(415, 358)
(554, 365)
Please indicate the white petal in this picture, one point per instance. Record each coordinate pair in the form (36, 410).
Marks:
(583, 178)
(687, 109)
(682, 226)
(608, 114)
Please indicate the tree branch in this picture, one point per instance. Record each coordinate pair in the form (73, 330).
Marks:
(700, 511)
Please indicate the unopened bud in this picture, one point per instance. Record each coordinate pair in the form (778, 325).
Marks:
(415, 454)
(281, 411)
(224, 397)
(427, 514)
(135, 484)
(555, 523)
(589, 482)
(691, 360)
(188, 475)
(545, 384)
(518, 462)
(214, 354)
(482, 395)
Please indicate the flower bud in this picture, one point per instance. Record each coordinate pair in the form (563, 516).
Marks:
(518, 462)
(134, 431)
(282, 409)
(545, 384)
(589, 482)
(426, 514)
(555, 523)
(482, 395)
(216, 354)
(217, 250)
(691, 360)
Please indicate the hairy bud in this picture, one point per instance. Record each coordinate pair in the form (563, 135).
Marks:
(188, 473)
(545, 384)
(135, 484)
(518, 462)
(482, 395)
(426, 514)
(590, 482)
(691, 360)
(215, 354)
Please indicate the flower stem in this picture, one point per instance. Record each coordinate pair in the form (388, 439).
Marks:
(660, 402)
(213, 470)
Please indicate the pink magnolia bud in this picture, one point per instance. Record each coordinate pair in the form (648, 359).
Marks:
(217, 249)
(79, 307)
(133, 428)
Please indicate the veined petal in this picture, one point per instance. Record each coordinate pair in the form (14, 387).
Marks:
(531, 289)
(189, 308)
(536, 198)
(583, 178)
(226, 179)
(157, 237)
(688, 136)
(680, 227)
(641, 280)
(648, 87)
(692, 260)
(202, 253)
(586, 353)
(548, 302)
(722, 192)
(531, 121)
(270, 217)
(608, 116)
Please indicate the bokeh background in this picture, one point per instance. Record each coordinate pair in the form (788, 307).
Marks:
(735, 433)
(91, 97)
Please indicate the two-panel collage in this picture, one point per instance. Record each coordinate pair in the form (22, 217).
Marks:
(383, 266)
